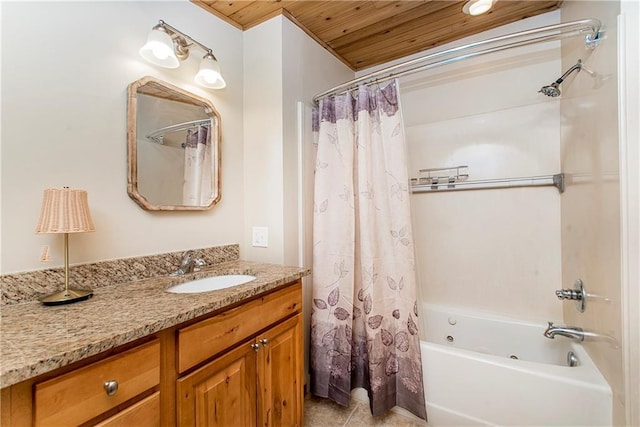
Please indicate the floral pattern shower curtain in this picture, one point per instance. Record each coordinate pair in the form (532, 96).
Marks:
(197, 188)
(364, 327)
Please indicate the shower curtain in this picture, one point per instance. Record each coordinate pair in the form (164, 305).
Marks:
(364, 329)
(197, 187)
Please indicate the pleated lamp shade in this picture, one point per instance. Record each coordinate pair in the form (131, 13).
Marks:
(64, 210)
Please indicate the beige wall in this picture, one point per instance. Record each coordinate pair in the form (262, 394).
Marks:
(591, 204)
(283, 66)
(263, 150)
(496, 251)
(66, 67)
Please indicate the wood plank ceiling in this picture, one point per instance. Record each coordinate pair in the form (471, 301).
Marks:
(366, 33)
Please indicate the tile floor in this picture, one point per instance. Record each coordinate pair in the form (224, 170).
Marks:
(320, 412)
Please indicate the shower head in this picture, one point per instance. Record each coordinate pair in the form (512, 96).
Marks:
(553, 90)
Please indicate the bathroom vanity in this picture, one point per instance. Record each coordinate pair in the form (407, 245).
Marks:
(137, 355)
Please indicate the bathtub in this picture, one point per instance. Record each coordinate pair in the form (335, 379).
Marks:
(487, 370)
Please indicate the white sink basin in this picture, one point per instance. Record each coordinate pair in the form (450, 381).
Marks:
(214, 283)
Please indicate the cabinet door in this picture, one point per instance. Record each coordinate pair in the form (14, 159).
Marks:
(221, 393)
(280, 384)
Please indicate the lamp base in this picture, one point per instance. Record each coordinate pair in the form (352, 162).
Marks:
(67, 296)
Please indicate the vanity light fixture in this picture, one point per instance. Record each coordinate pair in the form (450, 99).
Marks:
(65, 210)
(166, 47)
(477, 7)
(209, 73)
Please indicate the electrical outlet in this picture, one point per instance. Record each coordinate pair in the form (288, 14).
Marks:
(44, 254)
(260, 237)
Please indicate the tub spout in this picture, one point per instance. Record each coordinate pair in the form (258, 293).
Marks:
(565, 331)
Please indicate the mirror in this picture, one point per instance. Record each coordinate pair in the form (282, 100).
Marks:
(173, 147)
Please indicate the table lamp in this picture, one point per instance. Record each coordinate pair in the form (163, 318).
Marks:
(65, 210)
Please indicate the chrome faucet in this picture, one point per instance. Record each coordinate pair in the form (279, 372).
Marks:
(189, 264)
(565, 331)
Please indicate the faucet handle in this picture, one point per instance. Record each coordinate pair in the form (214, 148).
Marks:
(186, 256)
(569, 294)
(578, 294)
(198, 264)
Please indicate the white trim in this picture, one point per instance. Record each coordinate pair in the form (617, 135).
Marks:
(628, 100)
(301, 222)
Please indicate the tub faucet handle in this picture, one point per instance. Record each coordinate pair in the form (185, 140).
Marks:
(568, 294)
(578, 294)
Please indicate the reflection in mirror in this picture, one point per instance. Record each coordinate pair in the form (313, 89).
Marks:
(173, 147)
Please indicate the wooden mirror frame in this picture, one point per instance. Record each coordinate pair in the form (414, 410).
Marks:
(160, 89)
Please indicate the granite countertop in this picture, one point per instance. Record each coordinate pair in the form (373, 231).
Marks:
(36, 339)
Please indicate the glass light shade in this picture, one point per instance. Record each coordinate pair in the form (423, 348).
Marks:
(209, 74)
(159, 49)
(477, 7)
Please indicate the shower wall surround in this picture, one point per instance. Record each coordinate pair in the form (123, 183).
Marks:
(490, 250)
(591, 204)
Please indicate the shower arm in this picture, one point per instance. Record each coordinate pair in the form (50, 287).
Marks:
(577, 66)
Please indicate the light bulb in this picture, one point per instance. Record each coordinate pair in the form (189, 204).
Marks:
(159, 49)
(209, 77)
(209, 74)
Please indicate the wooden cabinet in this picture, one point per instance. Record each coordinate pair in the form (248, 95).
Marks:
(257, 383)
(85, 393)
(221, 393)
(236, 367)
(210, 337)
(280, 383)
(145, 413)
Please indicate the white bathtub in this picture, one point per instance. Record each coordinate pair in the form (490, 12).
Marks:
(471, 376)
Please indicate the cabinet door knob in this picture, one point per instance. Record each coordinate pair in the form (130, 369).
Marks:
(255, 346)
(111, 387)
(264, 342)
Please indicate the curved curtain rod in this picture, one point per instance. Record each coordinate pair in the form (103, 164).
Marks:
(559, 31)
(155, 135)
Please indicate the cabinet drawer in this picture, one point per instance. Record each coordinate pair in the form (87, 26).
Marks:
(80, 395)
(145, 413)
(199, 342)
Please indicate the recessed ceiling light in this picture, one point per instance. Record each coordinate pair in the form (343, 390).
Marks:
(477, 7)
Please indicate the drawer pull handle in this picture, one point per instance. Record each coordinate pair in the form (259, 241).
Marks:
(264, 342)
(111, 387)
(255, 346)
